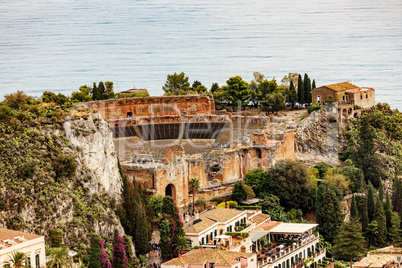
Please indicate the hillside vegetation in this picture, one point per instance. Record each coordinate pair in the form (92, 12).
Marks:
(44, 183)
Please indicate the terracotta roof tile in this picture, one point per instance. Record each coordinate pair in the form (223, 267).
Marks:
(200, 256)
(259, 218)
(342, 86)
(12, 237)
(210, 217)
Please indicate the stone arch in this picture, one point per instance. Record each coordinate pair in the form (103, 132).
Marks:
(355, 115)
(344, 112)
(350, 111)
(170, 190)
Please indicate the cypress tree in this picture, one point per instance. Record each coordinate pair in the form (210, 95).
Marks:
(292, 94)
(388, 211)
(300, 91)
(101, 90)
(354, 213)
(365, 221)
(381, 192)
(141, 232)
(370, 203)
(307, 89)
(394, 229)
(313, 85)
(329, 213)
(120, 259)
(95, 255)
(95, 92)
(349, 244)
(379, 216)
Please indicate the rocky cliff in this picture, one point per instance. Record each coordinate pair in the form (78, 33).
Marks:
(317, 138)
(58, 171)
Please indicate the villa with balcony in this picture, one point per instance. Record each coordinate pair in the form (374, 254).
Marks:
(277, 244)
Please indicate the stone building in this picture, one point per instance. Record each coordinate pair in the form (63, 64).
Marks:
(344, 93)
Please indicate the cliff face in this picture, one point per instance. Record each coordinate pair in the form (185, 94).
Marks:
(317, 138)
(61, 174)
(96, 151)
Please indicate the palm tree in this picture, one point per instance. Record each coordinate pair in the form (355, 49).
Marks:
(181, 243)
(17, 259)
(59, 257)
(193, 186)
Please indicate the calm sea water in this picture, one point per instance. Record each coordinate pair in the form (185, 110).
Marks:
(59, 45)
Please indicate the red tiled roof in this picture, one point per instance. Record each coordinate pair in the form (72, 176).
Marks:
(9, 238)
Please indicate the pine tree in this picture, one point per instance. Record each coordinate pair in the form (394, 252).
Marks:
(379, 216)
(370, 203)
(349, 244)
(292, 94)
(141, 232)
(95, 255)
(120, 259)
(354, 213)
(300, 91)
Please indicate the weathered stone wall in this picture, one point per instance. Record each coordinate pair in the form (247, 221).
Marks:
(114, 109)
(286, 149)
(365, 99)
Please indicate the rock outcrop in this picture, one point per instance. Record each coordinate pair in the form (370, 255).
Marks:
(317, 139)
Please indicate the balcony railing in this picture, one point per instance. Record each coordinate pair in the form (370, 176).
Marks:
(269, 258)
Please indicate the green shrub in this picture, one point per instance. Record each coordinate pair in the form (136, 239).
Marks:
(314, 107)
(56, 238)
(217, 200)
(249, 207)
(64, 166)
(236, 234)
(356, 107)
(230, 204)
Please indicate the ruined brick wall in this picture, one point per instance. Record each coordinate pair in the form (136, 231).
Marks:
(114, 109)
(286, 149)
(143, 176)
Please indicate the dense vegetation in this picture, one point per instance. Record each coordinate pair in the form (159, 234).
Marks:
(260, 92)
(47, 185)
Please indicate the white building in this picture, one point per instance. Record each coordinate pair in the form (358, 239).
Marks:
(30, 244)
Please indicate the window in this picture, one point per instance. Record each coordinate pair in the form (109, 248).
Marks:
(253, 260)
(202, 241)
(216, 231)
(227, 229)
(190, 242)
(207, 237)
(361, 96)
(28, 262)
(37, 262)
(318, 98)
(211, 265)
(366, 95)
(343, 97)
(129, 114)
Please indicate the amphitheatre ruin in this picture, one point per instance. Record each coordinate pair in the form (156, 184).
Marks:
(163, 142)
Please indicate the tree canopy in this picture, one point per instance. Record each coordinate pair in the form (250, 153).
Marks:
(290, 182)
(176, 84)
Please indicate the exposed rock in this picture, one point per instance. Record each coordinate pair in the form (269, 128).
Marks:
(317, 139)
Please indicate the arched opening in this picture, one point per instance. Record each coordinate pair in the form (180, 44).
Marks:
(170, 190)
(355, 115)
(350, 111)
(344, 112)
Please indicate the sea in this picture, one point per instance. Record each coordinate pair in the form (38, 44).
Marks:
(59, 45)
